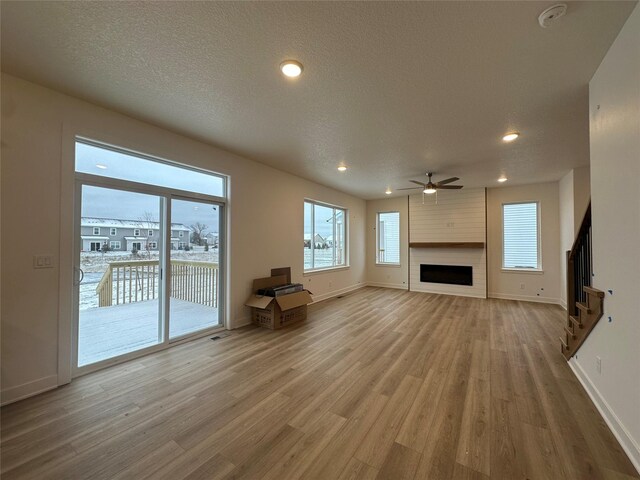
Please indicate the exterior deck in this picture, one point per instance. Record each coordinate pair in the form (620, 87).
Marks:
(106, 332)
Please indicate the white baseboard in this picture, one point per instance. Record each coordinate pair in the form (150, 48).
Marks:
(335, 293)
(399, 286)
(627, 442)
(526, 298)
(28, 389)
(563, 303)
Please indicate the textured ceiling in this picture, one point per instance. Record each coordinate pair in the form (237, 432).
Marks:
(391, 89)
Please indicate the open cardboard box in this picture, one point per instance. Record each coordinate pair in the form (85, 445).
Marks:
(277, 312)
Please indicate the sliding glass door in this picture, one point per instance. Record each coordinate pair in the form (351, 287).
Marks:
(119, 288)
(195, 268)
(149, 255)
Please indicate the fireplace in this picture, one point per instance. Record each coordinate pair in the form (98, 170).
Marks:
(449, 274)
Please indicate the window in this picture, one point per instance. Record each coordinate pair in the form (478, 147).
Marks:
(113, 231)
(388, 238)
(150, 233)
(182, 245)
(103, 161)
(521, 236)
(325, 236)
(136, 232)
(115, 244)
(153, 245)
(96, 230)
(181, 234)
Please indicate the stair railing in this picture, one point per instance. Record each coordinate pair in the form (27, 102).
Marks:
(579, 265)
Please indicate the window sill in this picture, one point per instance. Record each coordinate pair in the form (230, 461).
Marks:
(532, 271)
(393, 265)
(325, 270)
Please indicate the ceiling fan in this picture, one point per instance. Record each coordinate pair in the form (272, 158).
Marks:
(430, 187)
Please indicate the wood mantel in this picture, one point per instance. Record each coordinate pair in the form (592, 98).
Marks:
(446, 244)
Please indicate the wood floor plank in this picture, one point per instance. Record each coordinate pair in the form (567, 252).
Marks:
(357, 470)
(380, 438)
(400, 463)
(474, 444)
(416, 427)
(380, 383)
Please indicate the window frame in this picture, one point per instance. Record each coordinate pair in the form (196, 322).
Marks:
(153, 245)
(112, 244)
(96, 231)
(134, 232)
(149, 233)
(377, 253)
(345, 213)
(113, 231)
(539, 267)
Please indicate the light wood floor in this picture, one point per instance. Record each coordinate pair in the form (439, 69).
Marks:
(379, 384)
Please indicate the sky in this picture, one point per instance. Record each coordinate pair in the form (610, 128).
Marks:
(109, 203)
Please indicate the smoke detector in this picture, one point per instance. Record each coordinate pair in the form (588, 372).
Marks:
(551, 15)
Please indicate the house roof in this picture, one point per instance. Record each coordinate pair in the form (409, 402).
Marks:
(124, 223)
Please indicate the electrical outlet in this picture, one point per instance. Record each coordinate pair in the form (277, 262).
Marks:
(599, 365)
(522, 286)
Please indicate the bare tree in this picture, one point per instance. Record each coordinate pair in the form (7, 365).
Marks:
(198, 233)
(147, 223)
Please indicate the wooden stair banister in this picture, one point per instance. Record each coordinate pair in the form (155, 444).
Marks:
(584, 303)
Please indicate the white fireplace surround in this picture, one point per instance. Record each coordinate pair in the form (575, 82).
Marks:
(459, 216)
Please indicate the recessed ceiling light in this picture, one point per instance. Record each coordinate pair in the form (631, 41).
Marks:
(502, 179)
(388, 191)
(429, 190)
(101, 166)
(510, 137)
(342, 168)
(291, 68)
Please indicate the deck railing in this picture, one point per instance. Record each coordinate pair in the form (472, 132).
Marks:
(138, 280)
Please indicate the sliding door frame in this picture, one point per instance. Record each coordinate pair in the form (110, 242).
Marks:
(166, 195)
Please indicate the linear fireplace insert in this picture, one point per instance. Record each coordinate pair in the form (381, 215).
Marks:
(449, 274)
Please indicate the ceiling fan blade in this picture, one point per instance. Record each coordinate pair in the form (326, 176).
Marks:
(411, 188)
(449, 187)
(448, 180)
(419, 183)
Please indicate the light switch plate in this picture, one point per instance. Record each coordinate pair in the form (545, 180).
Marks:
(43, 261)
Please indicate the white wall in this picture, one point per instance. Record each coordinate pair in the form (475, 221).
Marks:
(459, 216)
(387, 275)
(266, 209)
(567, 232)
(574, 192)
(614, 104)
(581, 194)
(531, 286)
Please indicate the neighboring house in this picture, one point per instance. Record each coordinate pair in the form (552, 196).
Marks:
(128, 235)
(318, 241)
(211, 239)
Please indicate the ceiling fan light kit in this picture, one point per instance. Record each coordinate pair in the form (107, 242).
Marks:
(430, 188)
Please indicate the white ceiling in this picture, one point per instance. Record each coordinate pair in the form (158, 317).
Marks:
(391, 89)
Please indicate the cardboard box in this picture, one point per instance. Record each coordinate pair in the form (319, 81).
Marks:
(277, 312)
